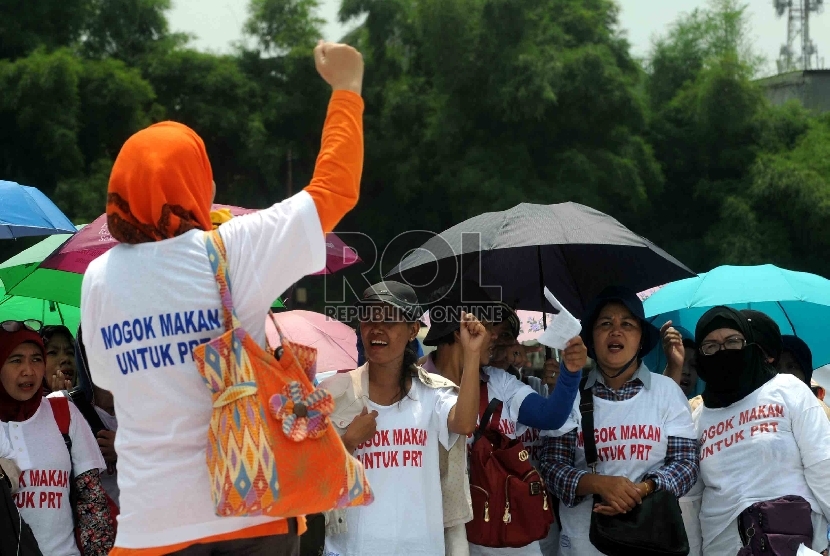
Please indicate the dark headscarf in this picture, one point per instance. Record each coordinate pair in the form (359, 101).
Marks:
(802, 354)
(616, 294)
(10, 408)
(767, 333)
(730, 375)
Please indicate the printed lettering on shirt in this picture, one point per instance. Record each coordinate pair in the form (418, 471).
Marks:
(410, 437)
(615, 443)
(34, 485)
(762, 419)
(161, 354)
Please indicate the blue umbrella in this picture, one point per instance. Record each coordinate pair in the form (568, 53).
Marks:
(25, 211)
(799, 302)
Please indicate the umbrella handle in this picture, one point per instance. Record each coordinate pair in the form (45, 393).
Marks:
(280, 335)
(548, 351)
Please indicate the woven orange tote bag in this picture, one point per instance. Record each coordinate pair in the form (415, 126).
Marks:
(272, 449)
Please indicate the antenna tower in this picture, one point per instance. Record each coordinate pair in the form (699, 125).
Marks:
(798, 25)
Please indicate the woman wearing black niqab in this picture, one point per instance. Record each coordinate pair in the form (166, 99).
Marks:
(730, 374)
(762, 435)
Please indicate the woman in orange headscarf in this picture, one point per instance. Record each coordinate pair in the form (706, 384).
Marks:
(148, 302)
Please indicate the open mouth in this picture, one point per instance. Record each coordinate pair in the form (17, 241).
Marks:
(378, 343)
(615, 347)
(26, 386)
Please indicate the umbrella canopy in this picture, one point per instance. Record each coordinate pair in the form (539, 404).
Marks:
(53, 269)
(25, 212)
(336, 342)
(798, 301)
(572, 249)
(22, 269)
(338, 255)
(15, 307)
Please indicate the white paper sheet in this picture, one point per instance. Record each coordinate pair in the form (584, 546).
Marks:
(561, 328)
(804, 551)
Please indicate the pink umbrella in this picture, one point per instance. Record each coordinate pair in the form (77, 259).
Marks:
(95, 239)
(338, 255)
(530, 325)
(336, 342)
(645, 294)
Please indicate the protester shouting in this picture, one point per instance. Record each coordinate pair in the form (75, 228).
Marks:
(643, 426)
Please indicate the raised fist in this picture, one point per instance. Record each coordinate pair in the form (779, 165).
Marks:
(340, 65)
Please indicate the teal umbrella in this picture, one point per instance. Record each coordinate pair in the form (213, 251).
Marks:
(798, 301)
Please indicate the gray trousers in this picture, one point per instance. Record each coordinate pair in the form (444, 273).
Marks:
(274, 545)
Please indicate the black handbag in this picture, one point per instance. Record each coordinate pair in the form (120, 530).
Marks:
(653, 528)
(16, 537)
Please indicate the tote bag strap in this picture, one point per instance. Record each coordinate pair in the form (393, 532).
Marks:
(218, 256)
(586, 408)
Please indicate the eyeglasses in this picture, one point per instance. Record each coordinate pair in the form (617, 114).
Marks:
(15, 325)
(711, 347)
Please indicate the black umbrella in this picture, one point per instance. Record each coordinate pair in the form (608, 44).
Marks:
(572, 249)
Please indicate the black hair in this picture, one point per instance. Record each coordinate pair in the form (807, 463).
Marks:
(409, 367)
(50, 331)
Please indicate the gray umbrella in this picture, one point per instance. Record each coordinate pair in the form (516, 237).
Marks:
(572, 249)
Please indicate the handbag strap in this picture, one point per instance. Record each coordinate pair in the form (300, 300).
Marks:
(586, 409)
(492, 406)
(218, 256)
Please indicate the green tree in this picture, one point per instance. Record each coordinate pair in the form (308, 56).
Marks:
(790, 192)
(63, 119)
(711, 126)
(477, 105)
(26, 25)
(130, 30)
(282, 25)
(39, 118)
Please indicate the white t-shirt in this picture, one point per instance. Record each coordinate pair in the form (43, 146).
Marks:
(109, 480)
(43, 488)
(632, 439)
(512, 391)
(143, 308)
(757, 448)
(6, 450)
(401, 463)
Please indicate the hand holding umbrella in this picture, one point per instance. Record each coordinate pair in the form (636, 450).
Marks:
(674, 350)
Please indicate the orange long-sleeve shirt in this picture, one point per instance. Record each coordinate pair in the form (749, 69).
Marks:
(335, 186)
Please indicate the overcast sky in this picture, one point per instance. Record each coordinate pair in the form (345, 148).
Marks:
(218, 23)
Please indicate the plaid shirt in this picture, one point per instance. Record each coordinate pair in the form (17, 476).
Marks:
(678, 474)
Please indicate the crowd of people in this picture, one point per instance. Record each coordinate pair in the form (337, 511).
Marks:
(107, 458)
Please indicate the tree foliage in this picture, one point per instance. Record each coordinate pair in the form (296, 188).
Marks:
(471, 106)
